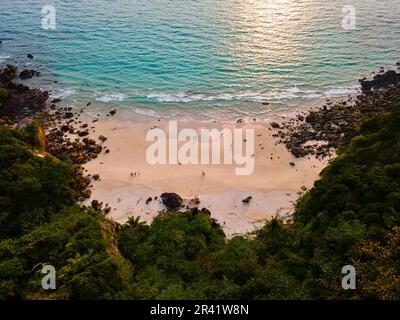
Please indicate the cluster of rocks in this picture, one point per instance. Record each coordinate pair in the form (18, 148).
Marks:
(79, 151)
(173, 202)
(98, 206)
(69, 138)
(381, 80)
(320, 131)
(66, 136)
(28, 73)
(18, 101)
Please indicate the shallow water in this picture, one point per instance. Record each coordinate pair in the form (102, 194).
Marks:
(207, 58)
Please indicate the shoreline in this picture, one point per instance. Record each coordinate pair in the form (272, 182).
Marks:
(274, 186)
(111, 173)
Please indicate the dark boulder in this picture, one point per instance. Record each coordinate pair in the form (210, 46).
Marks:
(26, 74)
(171, 200)
(107, 210)
(8, 73)
(275, 125)
(247, 200)
(57, 100)
(205, 211)
(83, 133)
(96, 205)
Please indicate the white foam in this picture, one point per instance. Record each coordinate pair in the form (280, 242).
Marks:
(341, 91)
(312, 96)
(183, 97)
(65, 93)
(179, 97)
(274, 95)
(111, 97)
(294, 90)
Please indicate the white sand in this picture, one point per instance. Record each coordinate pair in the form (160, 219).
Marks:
(273, 185)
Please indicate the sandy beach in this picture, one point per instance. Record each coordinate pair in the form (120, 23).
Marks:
(127, 180)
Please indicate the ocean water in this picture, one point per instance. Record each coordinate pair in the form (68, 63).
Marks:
(209, 58)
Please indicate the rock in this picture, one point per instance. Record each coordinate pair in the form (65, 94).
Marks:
(86, 193)
(30, 56)
(113, 112)
(96, 205)
(247, 200)
(195, 211)
(35, 73)
(8, 73)
(312, 117)
(150, 199)
(102, 138)
(68, 115)
(107, 210)
(57, 100)
(83, 133)
(292, 164)
(298, 152)
(88, 104)
(275, 125)
(25, 74)
(171, 200)
(381, 80)
(300, 117)
(96, 177)
(205, 211)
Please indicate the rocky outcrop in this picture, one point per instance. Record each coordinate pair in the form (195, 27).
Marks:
(322, 130)
(171, 200)
(17, 100)
(379, 81)
(7, 74)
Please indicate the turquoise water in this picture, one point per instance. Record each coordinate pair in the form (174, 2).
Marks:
(220, 58)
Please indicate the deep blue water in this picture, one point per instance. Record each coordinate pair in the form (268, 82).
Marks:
(219, 58)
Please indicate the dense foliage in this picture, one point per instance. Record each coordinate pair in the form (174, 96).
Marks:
(351, 216)
(41, 225)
